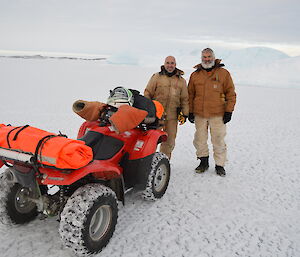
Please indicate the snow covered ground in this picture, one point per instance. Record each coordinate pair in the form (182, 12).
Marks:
(253, 211)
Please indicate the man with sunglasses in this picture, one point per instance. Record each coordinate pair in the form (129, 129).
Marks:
(212, 99)
(170, 89)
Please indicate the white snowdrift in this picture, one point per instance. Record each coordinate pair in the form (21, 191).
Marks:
(253, 211)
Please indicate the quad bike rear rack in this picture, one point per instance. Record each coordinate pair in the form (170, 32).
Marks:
(17, 155)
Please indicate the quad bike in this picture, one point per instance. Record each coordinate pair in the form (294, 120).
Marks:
(87, 198)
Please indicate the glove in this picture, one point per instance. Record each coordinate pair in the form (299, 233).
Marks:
(227, 117)
(191, 117)
(181, 118)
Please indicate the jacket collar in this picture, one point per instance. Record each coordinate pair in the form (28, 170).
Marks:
(218, 64)
(163, 71)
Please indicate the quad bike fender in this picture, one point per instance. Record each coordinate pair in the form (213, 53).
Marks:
(102, 169)
(87, 125)
(146, 143)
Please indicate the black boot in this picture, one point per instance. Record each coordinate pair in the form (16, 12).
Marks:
(220, 171)
(203, 166)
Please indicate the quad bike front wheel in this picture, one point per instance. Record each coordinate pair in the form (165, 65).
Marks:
(158, 178)
(88, 219)
(15, 206)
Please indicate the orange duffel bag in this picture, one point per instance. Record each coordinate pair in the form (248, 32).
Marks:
(48, 148)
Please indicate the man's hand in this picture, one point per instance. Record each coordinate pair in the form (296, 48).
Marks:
(181, 118)
(227, 117)
(191, 117)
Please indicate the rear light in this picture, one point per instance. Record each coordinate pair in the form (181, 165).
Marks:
(162, 138)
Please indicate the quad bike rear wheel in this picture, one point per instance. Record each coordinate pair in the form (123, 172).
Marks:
(15, 207)
(158, 178)
(88, 219)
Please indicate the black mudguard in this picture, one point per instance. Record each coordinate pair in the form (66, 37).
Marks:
(136, 172)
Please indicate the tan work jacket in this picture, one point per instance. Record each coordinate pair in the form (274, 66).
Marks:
(211, 93)
(171, 92)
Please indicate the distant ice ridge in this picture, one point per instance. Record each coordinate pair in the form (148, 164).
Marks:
(127, 58)
(255, 66)
(53, 57)
(249, 57)
(281, 73)
(188, 57)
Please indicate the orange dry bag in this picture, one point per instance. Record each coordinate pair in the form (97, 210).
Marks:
(159, 109)
(48, 148)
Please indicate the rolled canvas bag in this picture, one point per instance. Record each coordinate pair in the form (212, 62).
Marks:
(48, 148)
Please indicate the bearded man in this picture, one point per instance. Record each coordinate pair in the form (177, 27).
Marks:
(212, 99)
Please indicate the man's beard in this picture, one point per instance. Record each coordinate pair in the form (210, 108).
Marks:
(208, 65)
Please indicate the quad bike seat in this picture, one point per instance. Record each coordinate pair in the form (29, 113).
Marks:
(104, 147)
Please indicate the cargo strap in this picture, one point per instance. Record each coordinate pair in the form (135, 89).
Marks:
(42, 142)
(7, 137)
(16, 135)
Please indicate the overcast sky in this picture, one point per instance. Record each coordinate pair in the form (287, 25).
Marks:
(109, 26)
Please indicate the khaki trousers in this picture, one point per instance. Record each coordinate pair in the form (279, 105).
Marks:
(170, 126)
(217, 133)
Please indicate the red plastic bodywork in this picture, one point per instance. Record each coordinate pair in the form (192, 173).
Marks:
(137, 143)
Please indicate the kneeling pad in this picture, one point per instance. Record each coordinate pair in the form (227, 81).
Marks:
(127, 118)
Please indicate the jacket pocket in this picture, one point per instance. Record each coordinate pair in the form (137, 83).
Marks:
(216, 86)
